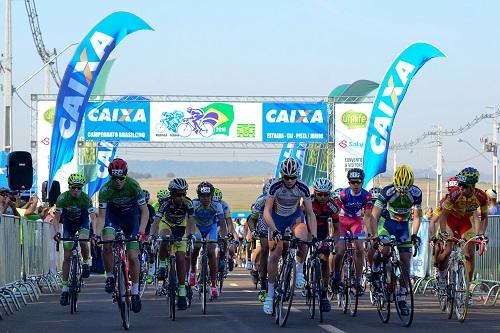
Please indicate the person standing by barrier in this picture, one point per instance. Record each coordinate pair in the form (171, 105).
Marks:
(7, 203)
(73, 208)
(493, 206)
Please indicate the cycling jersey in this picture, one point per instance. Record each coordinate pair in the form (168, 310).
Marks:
(462, 207)
(258, 214)
(323, 213)
(175, 215)
(286, 200)
(151, 215)
(352, 205)
(225, 208)
(74, 213)
(156, 206)
(206, 216)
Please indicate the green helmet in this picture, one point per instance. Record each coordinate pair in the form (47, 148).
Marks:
(76, 179)
(469, 176)
(162, 194)
(217, 196)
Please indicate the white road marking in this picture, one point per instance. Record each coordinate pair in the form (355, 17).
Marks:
(233, 284)
(331, 329)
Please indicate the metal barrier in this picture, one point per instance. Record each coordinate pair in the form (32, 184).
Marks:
(26, 248)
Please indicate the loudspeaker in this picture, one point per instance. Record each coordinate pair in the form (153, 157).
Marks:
(20, 170)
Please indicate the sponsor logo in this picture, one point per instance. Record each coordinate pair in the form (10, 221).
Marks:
(294, 116)
(117, 115)
(354, 119)
(49, 114)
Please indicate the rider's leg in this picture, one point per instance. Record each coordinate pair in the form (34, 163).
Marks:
(212, 263)
(469, 259)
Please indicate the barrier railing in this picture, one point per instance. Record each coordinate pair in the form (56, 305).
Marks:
(26, 248)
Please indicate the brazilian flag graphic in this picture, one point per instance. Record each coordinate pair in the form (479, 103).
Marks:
(220, 115)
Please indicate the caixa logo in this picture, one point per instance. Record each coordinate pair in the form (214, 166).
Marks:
(129, 115)
(294, 116)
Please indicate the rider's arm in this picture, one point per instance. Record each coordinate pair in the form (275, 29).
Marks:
(100, 221)
(417, 215)
(376, 212)
(56, 221)
(267, 213)
(144, 217)
(443, 217)
(434, 222)
(367, 220)
(311, 217)
(251, 223)
(483, 225)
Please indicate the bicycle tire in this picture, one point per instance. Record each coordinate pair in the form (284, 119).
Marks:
(403, 276)
(172, 288)
(383, 296)
(353, 289)
(122, 297)
(189, 294)
(204, 272)
(287, 291)
(462, 292)
(344, 287)
(309, 288)
(73, 285)
(318, 289)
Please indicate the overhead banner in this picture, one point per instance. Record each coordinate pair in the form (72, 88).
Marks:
(351, 124)
(294, 122)
(79, 79)
(117, 120)
(205, 121)
(389, 97)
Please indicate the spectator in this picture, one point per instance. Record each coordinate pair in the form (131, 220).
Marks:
(428, 213)
(29, 209)
(493, 207)
(7, 203)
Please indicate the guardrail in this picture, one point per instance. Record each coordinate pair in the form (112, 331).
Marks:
(26, 248)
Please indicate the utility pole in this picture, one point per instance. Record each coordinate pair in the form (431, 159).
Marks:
(428, 194)
(439, 166)
(7, 80)
(494, 149)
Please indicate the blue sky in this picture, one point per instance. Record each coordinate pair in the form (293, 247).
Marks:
(291, 48)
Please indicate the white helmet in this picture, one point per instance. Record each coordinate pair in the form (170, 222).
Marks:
(178, 184)
(289, 167)
(322, 185)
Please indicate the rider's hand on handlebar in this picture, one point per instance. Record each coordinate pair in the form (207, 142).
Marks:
(57, 237)
(142, 236)
(415, 240)
(277, 236)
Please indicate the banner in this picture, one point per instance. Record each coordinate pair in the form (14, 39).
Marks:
(106, 151)
(295, 150)
(390, 94)
(294, 122)
(117, 120)
(420, 263)
(351, 122)
(4, 182)
(205, 121)
(79, 80)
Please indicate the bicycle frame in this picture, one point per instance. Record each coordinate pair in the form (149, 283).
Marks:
(203, 282)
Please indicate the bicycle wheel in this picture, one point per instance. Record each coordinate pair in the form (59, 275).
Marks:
(309, 288)
(450, 293)
(172, 289)
(73, 285)
(189, 294)
(352, 289)
(204, 291)
(462, 292)
(287, 291)
(344, 286)
(383, 296)
(122, 297)
(318, 286)
(403, 290)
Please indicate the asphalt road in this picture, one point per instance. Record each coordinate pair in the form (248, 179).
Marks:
(237, 310)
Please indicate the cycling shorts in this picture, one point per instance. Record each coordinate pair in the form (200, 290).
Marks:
(70, 228)
(210, 231)
(129, 224)
(177, 232)
(400, 230)
(284, 222)
(352, 224)
(460, 228)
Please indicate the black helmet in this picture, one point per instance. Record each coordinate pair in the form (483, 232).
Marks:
(205, 188)
(356, 173)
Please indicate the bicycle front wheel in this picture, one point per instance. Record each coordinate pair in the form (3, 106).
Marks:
(287, 292)
(309, 288)
(462, 292)
(382, 296)
(404, 294)
(122, 298)
(319, 287)
(352, 289)
(172, 288)
(204, 291)
(73, 285)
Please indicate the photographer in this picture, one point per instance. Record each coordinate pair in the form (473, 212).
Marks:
(7, 203)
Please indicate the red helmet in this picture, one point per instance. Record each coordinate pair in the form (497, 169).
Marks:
(452, 182)
(117, 167)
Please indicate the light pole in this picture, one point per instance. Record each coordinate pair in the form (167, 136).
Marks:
(474, 148)
(492, 147)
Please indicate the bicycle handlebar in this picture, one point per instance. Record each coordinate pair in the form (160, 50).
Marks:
(461, 241)
(71, 239)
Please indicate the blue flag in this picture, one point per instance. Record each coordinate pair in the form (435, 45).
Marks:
(106, 151)
(295, 150)
(391, 92)
(79, 79)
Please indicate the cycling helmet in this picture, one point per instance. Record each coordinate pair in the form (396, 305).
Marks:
(452, 182)
(469, 176)
(205, 188)
(117, 167)
(375, 192)
(322, 185)
(162, 194)
(491, 193)
(289, 167)
(178, 184)
(356, 173)
(217, 196)
(336, 193)
(146, 195)
(267, 185)
(76, 179)
(403, 178)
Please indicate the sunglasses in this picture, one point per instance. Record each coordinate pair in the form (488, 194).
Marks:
(355, 182)
(120, 178)
(323, 195)
(463, 185)
(76, 188)
(289, 178)
(179, 194)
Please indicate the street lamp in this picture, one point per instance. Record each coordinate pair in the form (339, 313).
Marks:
(474, 148)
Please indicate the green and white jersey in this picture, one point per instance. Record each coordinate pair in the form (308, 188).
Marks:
(74, 209)
(121, 201)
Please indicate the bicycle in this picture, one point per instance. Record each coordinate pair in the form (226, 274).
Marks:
(348, 295)
(222, 264)
(393, 279)
(75, 271)
(285, 284)
(314, 286)
(203, 280)
(455, 298)
(122, 294)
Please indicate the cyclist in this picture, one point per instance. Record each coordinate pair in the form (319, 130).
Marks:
(177, 217)
(327, 218)
(147, 246)
(455, 218)
(282, 211)
(394, 209)
(258, 227)
(196, 115)
(217, 197)
(73, 208)
(122, 205)
(355, 211)
(375, 192)
(208, 216)
(162, 194)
